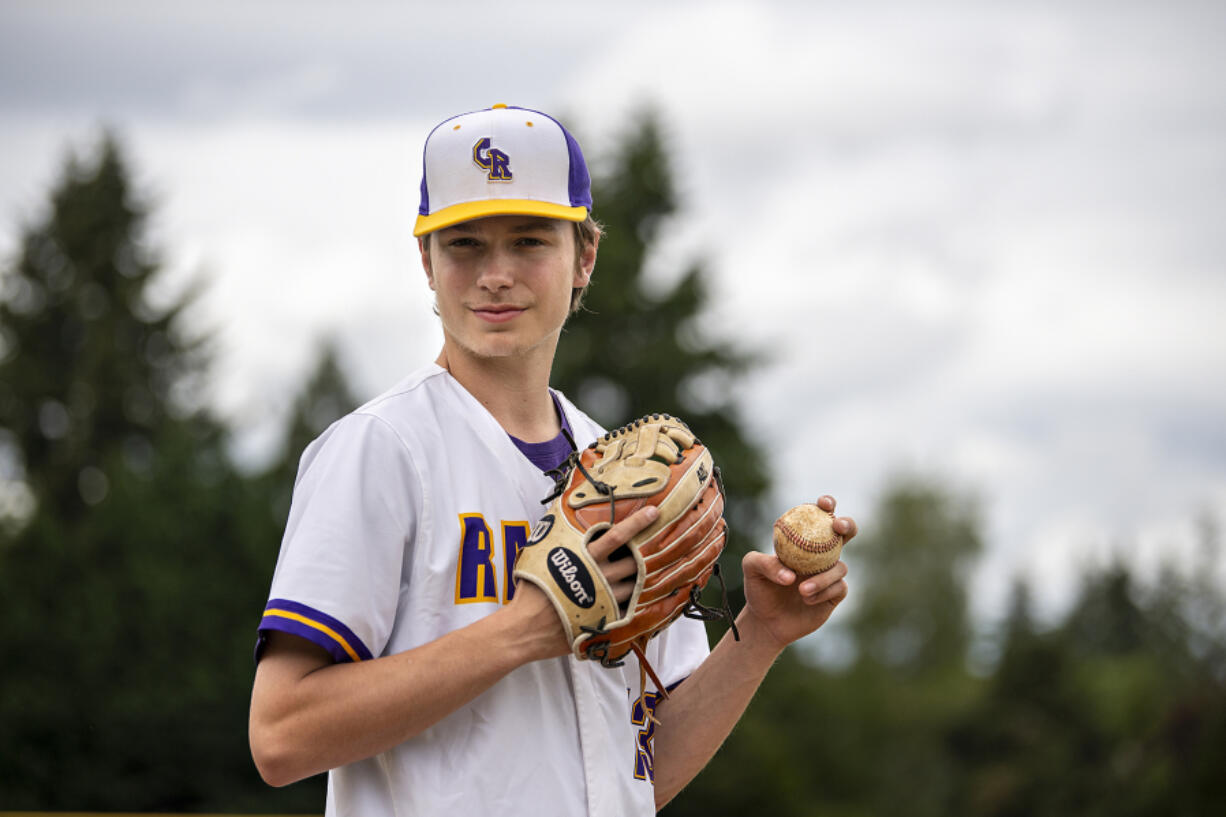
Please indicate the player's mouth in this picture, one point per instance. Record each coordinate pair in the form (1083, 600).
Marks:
(497, 313)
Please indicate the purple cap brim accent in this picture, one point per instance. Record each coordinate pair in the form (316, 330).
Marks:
(315, 626)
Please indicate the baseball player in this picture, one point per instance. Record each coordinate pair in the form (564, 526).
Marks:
(395, 651)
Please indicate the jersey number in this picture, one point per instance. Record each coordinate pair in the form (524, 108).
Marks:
(476, 577)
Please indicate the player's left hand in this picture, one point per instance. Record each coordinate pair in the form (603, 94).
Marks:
(784, 607)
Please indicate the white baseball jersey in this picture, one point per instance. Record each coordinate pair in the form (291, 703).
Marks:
(406, 520)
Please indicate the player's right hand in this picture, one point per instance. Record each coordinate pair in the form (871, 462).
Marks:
(614, 557)
(537, 611)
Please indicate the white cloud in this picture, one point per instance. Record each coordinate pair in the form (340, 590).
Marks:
(981, 240)
(302, 232)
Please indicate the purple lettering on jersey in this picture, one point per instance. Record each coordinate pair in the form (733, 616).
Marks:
(644, 754)
(475, 580)
(514, 539)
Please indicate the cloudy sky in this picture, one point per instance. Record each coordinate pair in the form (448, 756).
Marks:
(982, 241)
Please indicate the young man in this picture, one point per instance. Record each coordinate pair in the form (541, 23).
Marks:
(395, 650)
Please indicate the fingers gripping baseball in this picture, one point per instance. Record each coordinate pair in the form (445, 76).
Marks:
(844, 526)
(789, 608)
(792, 602)
(809, 538)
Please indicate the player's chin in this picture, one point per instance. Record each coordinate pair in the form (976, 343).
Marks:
(497, 345)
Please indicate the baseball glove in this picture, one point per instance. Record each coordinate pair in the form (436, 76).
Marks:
(657, 461)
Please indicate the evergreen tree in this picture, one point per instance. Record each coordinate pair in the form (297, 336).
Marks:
(870, 738)
(635, 351)
(1019, 624)
(1107, 619)
(910, 612)
(327, 397)
(91, 369)
(132, 587)
(1104, 714)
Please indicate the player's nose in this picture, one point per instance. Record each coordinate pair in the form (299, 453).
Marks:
(495, 271)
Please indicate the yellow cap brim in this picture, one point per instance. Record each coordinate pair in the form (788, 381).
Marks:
(470, 210)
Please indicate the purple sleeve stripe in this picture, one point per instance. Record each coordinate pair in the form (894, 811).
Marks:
(272, 621)
(315, 626)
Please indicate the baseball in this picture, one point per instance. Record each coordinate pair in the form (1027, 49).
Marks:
(805, 540)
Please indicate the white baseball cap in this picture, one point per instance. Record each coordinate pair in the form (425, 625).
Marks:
(501, 161)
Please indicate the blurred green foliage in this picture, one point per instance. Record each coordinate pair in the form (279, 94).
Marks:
(134, 569)
(641, 346)
(135, 558)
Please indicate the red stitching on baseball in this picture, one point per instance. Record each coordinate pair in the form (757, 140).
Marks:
(801, 542)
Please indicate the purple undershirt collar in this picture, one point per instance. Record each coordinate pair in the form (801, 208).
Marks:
(551, 453)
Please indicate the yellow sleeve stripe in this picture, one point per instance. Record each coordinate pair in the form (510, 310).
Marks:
(323, 628)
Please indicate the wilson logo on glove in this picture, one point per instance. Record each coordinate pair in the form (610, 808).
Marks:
(542, 529)
(572, 578)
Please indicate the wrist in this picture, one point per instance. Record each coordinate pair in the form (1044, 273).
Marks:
(758, 641)
(530, 625)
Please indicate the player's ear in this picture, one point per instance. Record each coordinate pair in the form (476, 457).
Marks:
(587, 263)
(424, 249)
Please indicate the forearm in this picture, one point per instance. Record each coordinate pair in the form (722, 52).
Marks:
(306, 719)
(699, 715)
(779, 609)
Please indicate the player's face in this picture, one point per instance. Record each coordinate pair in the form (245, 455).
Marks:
(503, 284)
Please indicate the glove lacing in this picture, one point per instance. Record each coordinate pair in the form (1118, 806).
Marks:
(694, 609)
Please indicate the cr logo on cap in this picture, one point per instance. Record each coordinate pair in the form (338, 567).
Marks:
(494, 161)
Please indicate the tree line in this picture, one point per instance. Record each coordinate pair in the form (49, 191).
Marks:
(135, 559)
